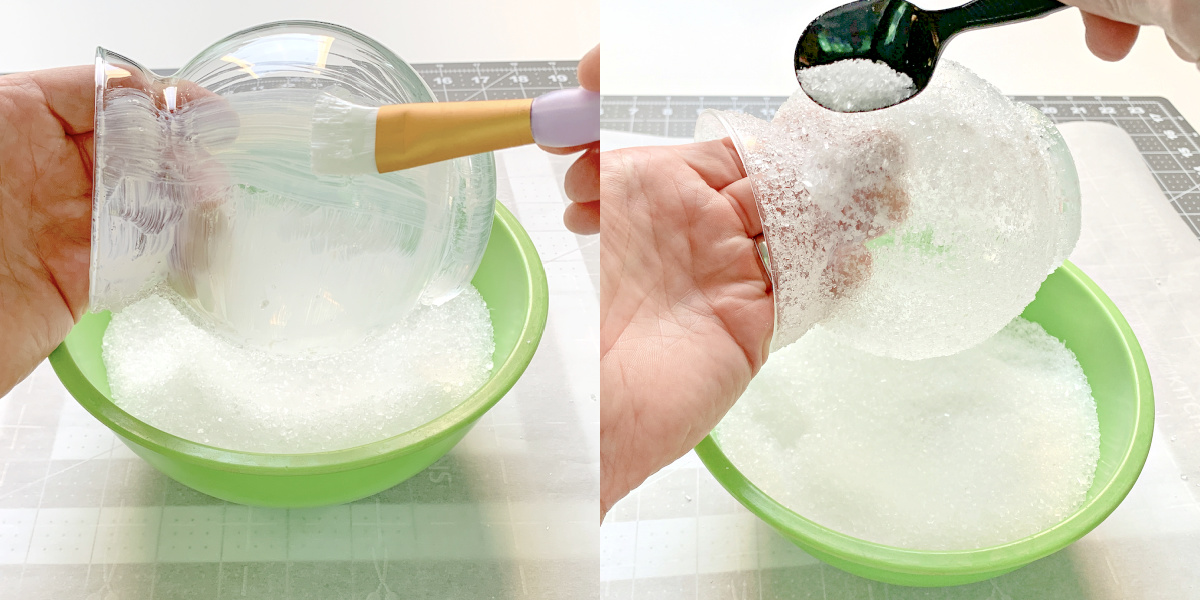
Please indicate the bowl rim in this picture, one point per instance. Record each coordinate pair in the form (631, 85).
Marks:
(429, 434)
(1001, 558)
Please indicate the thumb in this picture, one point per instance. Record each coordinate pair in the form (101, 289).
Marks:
(1133, 12)
(1180, 19)
(1107, 39)
(589, 70)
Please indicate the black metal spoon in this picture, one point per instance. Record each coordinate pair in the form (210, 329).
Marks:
(901, 35)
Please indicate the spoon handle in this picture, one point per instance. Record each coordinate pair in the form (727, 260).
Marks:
(986, 13)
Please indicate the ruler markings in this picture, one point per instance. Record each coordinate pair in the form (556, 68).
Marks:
(456, 82)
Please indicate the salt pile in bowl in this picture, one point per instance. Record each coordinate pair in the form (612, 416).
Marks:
(184, 380)
(954, 453)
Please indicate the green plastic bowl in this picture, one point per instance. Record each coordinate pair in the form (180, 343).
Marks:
(1073, 309)
(510, 279)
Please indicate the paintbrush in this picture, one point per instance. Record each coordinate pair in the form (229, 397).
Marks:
(349, 139)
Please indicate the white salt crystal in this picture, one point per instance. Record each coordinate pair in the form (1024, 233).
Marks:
(856, 84)
(967, 451)
(177, 377)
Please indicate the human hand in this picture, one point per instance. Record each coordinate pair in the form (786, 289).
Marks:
(1112, 25)
(582, 182)
(685, 312)
(45, 212)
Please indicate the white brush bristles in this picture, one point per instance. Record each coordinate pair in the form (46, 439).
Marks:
(343, 138)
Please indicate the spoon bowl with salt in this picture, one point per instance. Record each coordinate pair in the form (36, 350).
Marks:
(872, 54)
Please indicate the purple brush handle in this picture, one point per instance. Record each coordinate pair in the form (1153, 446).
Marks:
(566, 118)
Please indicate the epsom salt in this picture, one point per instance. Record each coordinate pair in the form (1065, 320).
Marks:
(177, 377)
(976, 449)
(855, 85)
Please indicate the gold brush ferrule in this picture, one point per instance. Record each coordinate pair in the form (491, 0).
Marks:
(411, 135)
